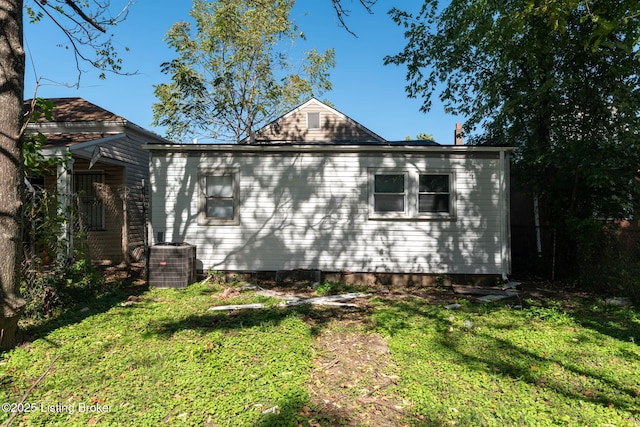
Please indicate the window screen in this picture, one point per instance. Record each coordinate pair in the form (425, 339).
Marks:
(219, 197)
(434, 193)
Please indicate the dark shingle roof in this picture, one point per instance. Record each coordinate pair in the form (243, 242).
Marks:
(78, 110)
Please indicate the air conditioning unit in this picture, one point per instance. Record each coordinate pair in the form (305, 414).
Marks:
(172, 265)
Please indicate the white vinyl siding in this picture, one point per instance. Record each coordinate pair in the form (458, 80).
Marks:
(311, 210)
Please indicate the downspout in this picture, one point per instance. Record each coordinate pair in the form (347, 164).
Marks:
(505, 253)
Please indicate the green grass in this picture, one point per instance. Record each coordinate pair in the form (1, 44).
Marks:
(169, 360)
(496, 366)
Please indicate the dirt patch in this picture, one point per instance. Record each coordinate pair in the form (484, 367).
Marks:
(126, 275)
(352, 372)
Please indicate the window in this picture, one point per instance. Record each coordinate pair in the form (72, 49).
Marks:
(389, 193)
(313, 121)
(90, 205)
(434, 193)
(410, 194)
(219, 197)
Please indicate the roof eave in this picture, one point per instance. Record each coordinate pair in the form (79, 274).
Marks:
(325, 148)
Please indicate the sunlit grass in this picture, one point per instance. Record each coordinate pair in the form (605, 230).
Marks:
(498, 366)
(165, 359)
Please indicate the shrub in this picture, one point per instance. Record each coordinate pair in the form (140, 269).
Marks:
(52, 288)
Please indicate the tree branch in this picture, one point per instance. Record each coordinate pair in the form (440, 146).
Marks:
(341, 12)
(28, 392)
(89, 20)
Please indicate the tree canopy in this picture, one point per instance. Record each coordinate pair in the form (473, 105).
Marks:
(421, 137)
(233, 72)
(556, 79)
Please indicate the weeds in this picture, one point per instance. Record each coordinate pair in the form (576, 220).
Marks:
(167, 359)
(51, 289)
(333, 288)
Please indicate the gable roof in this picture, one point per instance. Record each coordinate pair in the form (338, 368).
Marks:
(336, 127)
(78, 110)
(77, 121)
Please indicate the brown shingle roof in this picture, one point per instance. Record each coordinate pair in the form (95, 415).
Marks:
(77, 110)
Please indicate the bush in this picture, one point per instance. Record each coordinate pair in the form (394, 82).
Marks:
(48, 289)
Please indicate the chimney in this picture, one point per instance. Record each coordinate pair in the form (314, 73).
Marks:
(457, 135)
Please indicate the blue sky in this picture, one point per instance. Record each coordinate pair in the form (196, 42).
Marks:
(363, 88)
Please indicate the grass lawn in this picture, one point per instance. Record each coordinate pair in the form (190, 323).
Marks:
(166, 360)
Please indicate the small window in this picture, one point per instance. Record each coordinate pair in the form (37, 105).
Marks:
(90, 204)
(389, 193)
(219, 198)
(434, 194)
(313, 120)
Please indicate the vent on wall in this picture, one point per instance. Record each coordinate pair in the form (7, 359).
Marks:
(172, 265)
(313, 120)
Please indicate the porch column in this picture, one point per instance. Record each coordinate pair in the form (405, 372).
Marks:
(64, 187)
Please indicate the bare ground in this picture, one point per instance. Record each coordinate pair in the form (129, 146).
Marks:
(352, 371)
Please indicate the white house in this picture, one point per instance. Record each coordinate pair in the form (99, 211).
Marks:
(316, 190)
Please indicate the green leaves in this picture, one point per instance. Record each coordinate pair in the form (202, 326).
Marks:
(556, 79)
(165, 360)
(233, 72)
(41, 109)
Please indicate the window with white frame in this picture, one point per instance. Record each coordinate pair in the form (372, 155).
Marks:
(219, 191)
(411, 194)
(434, 193)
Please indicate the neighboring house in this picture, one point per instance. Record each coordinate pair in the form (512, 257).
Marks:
(102, 172)
(313, 122)
(316, 190)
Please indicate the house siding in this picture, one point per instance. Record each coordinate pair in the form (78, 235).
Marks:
(128, 150)
(311, 210)
(79, 128)
(125, 165)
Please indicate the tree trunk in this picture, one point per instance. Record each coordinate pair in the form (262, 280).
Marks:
(12, 64)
